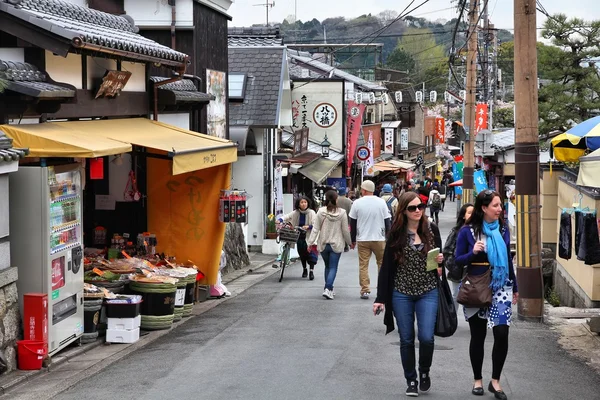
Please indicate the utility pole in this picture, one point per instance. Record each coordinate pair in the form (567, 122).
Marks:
(266, 5)
(470, 104)
(485, 62)
(529, 248)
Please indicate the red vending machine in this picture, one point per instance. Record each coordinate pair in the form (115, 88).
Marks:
(35, 317)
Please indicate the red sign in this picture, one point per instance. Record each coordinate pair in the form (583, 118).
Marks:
(374, 131)
(355, 114)
(440, 129)
(481, 117)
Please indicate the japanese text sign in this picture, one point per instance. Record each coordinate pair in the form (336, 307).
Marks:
(355, 114)
(440, 129)
(481, 117)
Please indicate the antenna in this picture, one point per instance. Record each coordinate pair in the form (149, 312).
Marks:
(267, 5)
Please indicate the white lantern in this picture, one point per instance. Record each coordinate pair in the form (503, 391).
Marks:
(358, 97)
(433, 96)
(371, 98)
(398, 96)
(463, 94)
(446, 97)
(385, 99)
(419, 96)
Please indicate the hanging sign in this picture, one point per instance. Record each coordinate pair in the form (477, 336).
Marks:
(112, 83)
(363, 153)
(481, 117)
(388, 141)
(324, 115)
(369, 162)
(480, 181)
(440, 129)
(355, 115)
(404, 139)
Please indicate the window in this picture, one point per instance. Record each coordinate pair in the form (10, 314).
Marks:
(237, 86)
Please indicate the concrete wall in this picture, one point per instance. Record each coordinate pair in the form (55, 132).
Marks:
(247, 175)
(9, 305)
(583, 280)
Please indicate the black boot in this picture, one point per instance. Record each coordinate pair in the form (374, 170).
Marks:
(311, 276)
(304, 272)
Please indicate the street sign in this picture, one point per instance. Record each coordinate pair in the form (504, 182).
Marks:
(363, 153)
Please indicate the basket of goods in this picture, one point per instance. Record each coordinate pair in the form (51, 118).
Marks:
(288, 234)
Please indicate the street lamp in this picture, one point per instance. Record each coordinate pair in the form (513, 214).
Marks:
(325, 147)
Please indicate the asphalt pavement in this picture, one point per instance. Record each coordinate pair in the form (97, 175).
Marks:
(285, 341)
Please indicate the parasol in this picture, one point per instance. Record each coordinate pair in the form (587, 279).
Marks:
(572, 144)
(589, 170)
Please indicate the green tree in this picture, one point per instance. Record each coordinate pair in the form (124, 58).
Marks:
(504, 117)
(572, 90)
(400, 60)
(421, 45)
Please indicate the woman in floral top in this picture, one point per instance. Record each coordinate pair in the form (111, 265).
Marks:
(406, 288)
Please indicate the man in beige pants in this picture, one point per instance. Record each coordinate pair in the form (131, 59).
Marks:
(370, 221)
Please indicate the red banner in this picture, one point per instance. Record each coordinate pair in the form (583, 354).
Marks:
(440, 129)
(481, 118)
(355, 114)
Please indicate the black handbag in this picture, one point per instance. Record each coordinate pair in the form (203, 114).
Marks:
(447, 321)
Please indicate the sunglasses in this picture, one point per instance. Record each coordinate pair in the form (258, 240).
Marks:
(420, 207)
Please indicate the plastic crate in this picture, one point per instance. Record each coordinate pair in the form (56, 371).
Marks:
(122, 310)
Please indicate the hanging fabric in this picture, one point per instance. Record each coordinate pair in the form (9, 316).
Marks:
(565, 236)
(592, 243)
(579, 236)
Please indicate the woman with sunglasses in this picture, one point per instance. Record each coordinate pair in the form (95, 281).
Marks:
(484, 244)
(405, 287)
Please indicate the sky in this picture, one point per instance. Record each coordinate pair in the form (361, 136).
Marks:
(245, 13)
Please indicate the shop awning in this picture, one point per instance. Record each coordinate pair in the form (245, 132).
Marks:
(402, 164)
(190, 151)
(383, 166)
(319, 170)
(51, 140)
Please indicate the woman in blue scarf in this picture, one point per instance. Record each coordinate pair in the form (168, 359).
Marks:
(482, 244)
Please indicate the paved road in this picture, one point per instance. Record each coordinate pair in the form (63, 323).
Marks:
(284, 341)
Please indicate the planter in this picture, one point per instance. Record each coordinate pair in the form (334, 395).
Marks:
(271, 235)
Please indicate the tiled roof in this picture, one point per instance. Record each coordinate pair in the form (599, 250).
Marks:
(7, 153)
(82, 24)
(300, 57)
(254, 36)
(27, 79)
(184, 91)
(263, 68)
(504, 139)
(313, 147)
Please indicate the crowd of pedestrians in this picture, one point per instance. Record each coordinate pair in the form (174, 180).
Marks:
(393, 224)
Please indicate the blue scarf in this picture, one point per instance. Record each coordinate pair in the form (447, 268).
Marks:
(497, 254)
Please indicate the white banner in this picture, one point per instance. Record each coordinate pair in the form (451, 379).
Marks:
(278, 192)
(369, 169)
(388, 141)
(404, 139)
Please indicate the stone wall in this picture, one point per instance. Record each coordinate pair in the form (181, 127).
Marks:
(235, 248)
(10, 320)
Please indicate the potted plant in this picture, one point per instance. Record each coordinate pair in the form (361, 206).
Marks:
(271, 227)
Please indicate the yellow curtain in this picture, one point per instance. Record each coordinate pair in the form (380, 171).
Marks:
(183, 211)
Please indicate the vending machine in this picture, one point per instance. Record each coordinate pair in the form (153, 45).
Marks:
(46, 245)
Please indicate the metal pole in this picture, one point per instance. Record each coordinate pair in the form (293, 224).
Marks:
(527, 169)
(469, 153)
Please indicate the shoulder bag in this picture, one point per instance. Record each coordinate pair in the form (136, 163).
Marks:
(447, 321)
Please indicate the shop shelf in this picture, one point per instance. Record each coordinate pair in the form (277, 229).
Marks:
(65, 227)
(64, 246)
(64, 198)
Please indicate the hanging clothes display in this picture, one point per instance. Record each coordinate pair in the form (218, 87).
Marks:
(592, 243)
(565, 236)
(579, 236)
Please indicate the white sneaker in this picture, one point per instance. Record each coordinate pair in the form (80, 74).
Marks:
(328, 294)
(365, 296)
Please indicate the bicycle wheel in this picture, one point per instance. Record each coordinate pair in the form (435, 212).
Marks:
(284, 259)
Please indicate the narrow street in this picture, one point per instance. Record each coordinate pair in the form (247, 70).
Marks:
(285, 341)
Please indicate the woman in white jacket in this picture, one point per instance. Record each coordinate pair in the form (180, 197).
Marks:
(331, 234)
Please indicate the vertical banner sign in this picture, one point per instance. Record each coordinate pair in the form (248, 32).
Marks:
(481, 118)
(440, 130)
(369, 168)
(278, 192)
(480, 181)
(404, 139)
(355, 114)
(388, 141)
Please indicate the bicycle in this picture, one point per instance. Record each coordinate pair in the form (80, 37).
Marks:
(288, 234)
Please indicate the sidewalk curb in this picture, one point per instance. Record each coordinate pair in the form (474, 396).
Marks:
(18, 377)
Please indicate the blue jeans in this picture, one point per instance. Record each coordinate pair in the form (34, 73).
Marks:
(404, 307)
(331, 259)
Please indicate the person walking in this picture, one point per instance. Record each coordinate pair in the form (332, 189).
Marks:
(406, 288)
(455, 273)
(303, 216)
(343, 201)
(370, 222)
(435, 203)
(390, 200)
(443, 189)
(331, 234)
(484, 244)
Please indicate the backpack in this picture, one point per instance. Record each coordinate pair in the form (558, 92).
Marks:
(436, 201)
(389, 203)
